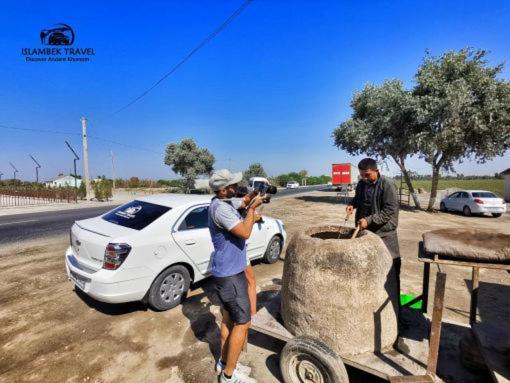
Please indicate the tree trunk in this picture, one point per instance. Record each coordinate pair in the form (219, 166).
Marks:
(190, 183)
(401, 163)
(411, 188)
(433, 190)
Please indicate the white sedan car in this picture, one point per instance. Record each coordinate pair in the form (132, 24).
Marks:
(292, 185)
(474, 202)
(153, 248)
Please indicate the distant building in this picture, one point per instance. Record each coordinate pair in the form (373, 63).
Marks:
(506, 178)
(63, 181)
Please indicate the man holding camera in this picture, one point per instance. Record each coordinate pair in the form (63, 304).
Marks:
(229, 232)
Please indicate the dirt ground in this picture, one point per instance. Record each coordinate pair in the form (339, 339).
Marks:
(51, 333)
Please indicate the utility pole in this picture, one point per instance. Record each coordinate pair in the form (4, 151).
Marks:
(1, 174)
(76, 158)
(15, 170)
(113, 169)
(85, 157)
(37, 167)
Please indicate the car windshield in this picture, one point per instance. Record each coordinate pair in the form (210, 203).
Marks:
(136, 214)
(484, 195)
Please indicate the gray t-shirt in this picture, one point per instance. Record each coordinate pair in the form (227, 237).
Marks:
(226, 216)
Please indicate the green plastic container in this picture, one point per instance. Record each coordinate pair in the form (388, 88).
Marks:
(406, 298)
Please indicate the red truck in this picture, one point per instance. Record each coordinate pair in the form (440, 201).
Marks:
(344, 176)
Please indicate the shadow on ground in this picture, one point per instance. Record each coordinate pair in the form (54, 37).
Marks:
(110, 308)
(324, 199)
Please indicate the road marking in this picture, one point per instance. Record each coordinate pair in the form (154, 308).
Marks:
(15, 222)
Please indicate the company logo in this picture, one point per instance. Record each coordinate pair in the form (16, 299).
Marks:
(58, 40)
(63, 34)
(130, 212)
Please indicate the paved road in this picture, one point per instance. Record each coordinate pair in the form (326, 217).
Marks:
(22, 227)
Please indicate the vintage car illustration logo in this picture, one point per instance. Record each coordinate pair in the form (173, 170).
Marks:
(61, 34)
(130, 212)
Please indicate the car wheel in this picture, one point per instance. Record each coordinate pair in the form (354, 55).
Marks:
(466, 211)
(496, 215)
(169, 289)
(307, 359)
(442, 206)
(274, 249)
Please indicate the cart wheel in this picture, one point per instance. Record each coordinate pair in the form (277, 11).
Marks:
(305, 359)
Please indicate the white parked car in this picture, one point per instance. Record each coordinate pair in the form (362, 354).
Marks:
(292, 185)
(474, 202)
(153, 248)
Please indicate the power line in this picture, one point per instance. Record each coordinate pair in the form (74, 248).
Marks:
(204, 42)
(79, 134)
(40, 130)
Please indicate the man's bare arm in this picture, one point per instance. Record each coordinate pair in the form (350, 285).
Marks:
(244, 228)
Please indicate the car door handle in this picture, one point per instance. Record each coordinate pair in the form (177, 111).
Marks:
(190, 242)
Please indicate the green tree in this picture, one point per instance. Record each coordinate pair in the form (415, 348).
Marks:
(107, 187)
(98, 190)
(82, 192)
(383, 125)
(254, 170)
(133, 182)
(189, 160)
(463, 111)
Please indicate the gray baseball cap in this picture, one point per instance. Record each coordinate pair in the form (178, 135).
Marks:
(223, 178)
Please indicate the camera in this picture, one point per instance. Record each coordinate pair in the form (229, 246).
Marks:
(264, 189)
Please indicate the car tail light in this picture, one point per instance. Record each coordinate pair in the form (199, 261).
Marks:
(114, 255)
(478, 201)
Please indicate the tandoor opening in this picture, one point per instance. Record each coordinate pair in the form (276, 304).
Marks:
(332, 232)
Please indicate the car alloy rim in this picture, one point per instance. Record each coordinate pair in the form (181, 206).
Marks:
(172, 287)
(274, 250)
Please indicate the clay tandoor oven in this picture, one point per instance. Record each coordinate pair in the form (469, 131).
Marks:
(340, 290)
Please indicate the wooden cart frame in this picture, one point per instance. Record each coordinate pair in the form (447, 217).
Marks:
(418, 366)
(483, 332)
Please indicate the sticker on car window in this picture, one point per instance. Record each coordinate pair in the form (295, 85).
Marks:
(130, 212)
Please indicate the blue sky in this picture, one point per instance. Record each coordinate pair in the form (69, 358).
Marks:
(270, 88)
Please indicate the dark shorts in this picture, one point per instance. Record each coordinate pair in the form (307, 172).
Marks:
(233, 294)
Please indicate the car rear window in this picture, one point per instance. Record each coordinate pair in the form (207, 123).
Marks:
(484, 195)
(136, 214)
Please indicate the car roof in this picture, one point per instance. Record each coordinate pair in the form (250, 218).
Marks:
(475, 191)
(472, 191)
(174, 200)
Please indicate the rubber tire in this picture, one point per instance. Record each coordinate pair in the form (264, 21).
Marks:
(442, 207)
(496, 215)
(267, 255)
(316, 353)
(466, 211)
(154, 298)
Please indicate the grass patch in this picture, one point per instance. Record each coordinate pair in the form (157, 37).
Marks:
(491, 184)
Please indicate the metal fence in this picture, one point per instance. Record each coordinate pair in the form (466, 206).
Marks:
(22, 197)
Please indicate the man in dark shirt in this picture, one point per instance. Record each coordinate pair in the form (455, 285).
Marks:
(376, 204)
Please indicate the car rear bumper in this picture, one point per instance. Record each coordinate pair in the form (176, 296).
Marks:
(489, 210)
(109, 286)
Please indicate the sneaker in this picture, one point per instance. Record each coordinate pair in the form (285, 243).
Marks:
(237, 377)
(239, 367)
